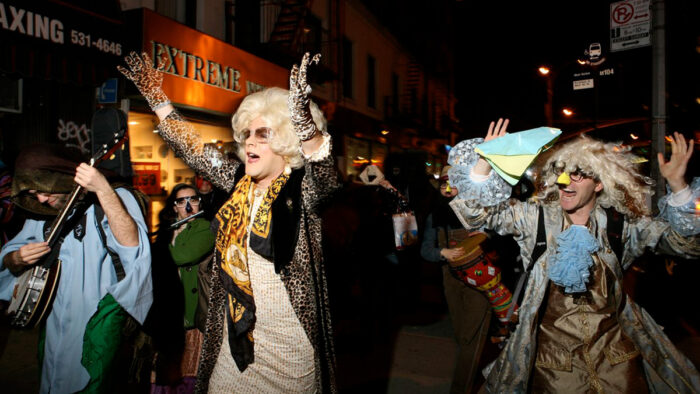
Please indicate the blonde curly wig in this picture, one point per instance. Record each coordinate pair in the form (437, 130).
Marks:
(271, 105)
(624, 187)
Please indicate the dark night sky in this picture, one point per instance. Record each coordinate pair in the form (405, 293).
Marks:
(498, 45)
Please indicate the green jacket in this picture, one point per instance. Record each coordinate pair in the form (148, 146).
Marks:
(194, 243)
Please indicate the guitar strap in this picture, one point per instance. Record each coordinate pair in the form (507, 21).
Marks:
(614, 231)
(69, 225)
(540, 247)
(77, 224)
(616, 222)
(116, 261)
(99, 215)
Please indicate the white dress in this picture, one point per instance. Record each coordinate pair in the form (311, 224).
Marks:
(283, 356)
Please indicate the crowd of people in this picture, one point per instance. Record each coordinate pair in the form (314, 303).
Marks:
(239, 287)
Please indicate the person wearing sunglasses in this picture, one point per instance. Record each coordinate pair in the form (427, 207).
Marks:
(268, 325)
(578, 331)
(179, 252)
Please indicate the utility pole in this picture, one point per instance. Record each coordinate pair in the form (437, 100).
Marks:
(548, 74)
(548, 111)
(658, 95)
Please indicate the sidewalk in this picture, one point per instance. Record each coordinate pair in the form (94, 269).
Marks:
(414, 359)
(420, 360)
(423, 359)
(19, 372)
(417, 359)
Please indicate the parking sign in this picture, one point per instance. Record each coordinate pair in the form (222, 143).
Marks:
(630, 25)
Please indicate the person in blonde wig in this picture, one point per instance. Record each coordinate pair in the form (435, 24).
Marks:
(624, 187)
(268, 324)
(577, 330)
(271, 106)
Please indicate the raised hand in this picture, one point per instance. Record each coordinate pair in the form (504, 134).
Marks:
(147, 79)
(496, 130)
(674, 169)
(299, 91)
(91, 179)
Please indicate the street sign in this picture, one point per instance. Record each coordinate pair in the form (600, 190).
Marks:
(583, 84)
(630, 25)
(107, 93)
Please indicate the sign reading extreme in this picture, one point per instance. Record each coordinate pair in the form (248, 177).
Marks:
(204, 72)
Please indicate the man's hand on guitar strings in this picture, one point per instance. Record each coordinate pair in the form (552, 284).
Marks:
(25, 256)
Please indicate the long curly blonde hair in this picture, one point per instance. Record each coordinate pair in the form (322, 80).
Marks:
(624, 187)
(271, 105)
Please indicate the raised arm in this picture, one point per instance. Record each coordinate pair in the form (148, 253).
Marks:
(676, 229)
(121, 223)
(471, 174)
(321, 173)
(674, 169)
(179, 134)
(299, 103)
(496, 130)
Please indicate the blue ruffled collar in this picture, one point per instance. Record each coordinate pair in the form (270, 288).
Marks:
(571, 265)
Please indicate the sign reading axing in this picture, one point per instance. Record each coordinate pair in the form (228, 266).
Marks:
(630, 25)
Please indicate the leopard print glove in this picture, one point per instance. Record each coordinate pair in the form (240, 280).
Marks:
(147, 79)
(298, 101)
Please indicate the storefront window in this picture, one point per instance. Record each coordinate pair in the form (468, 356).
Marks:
(360, 152)
(156, 169)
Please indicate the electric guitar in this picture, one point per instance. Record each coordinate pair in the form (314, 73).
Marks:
(36, 287)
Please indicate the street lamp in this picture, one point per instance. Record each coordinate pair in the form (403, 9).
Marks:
(546, 72)
(567, 111)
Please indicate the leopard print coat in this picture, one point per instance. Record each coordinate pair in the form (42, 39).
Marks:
(304, 277)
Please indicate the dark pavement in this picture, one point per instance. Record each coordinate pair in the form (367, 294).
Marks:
(407, 352)
(420, 360)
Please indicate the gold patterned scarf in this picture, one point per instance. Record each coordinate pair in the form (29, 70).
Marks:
(232, 247)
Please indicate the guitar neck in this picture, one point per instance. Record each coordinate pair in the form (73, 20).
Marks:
(57, 225)
(63, 214)
(61, 218)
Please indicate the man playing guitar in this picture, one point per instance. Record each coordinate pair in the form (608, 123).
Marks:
(104, 258)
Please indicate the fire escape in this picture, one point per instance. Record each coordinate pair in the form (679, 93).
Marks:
(412, 107)
(289, 28)
(281, 31)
